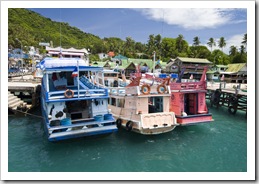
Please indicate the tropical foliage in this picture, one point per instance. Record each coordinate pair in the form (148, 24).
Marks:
(31, 28)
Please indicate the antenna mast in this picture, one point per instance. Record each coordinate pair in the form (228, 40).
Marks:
(60, 30)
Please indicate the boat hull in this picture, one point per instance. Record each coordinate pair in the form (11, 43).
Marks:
(194, 119)
(84, 128)
(148, 124)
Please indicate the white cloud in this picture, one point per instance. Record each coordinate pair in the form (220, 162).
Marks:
(235, 40)
(191, 19)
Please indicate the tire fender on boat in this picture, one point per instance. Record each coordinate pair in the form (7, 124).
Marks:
(145, 89)
(118, 123)
(161, 88)
(129, 126)
(69, 93)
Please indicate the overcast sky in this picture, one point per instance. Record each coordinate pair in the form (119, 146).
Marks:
(139, 23)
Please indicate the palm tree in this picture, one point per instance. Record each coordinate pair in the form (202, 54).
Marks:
(242, 49)
(244, 42)
(179, 42)
(233, 50)
(222, 43)
(196, 41)
(211, 43)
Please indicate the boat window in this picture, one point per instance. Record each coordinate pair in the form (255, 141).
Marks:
(155, 104)
(70, 80)
(121, 102)
(113, 101)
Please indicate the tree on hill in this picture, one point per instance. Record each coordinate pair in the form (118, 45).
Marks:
(222, 43)
(179, 42)
(211, 43)
(244, 42)
(196, 41)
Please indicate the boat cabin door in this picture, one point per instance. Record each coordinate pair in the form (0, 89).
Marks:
(190, 103)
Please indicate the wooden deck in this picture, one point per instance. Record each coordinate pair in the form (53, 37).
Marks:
(26, 84)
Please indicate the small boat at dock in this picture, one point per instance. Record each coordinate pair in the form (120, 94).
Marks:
(188, 101)
(140, 108)
(72, 105)
(188, 98)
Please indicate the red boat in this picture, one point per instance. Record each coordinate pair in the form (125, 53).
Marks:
(188, 101)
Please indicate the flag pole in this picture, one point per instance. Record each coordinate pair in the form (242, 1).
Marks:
(78, 80)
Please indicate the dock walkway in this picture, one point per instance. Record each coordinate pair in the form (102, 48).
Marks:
(26, 84)
(231, 95)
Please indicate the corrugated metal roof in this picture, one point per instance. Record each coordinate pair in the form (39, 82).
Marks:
(211, 72)
(149, 62)
(193, 60)
(235, 67)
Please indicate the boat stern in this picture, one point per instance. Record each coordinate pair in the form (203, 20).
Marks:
(157, 123)
(194, 119)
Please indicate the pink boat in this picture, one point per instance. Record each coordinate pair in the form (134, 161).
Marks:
(188, 101)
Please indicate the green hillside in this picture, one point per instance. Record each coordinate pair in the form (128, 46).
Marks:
(31, 28)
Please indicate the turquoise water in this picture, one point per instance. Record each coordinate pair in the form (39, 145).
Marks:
(220, 146)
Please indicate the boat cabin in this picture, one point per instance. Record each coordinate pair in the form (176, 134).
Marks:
(72, 105)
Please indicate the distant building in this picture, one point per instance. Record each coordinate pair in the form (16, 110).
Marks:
(215, 71)
(67, 53)
(118, 59)
(103, 56)
(193, 66)
(235, 73)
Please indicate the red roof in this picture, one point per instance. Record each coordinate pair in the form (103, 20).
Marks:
(111, 54)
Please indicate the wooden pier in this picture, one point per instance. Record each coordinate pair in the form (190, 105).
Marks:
(231, 95)
(23, 93)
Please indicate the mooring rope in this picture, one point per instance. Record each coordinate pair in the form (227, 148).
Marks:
(26, 113)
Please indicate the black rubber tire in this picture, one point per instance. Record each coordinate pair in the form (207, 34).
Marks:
(118, 123)
(129, 126)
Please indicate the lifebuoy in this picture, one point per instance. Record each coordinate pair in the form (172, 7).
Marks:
(161, 88)
(129, 125)
(118, 123)
(145, 89)
(69, 93)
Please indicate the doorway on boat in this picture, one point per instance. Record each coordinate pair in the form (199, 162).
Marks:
(155, 104)
(190, 103)
(78, 109)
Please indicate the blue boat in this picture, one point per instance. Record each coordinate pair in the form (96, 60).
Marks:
(72, 105)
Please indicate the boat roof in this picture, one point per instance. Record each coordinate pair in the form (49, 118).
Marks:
(66, 64)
